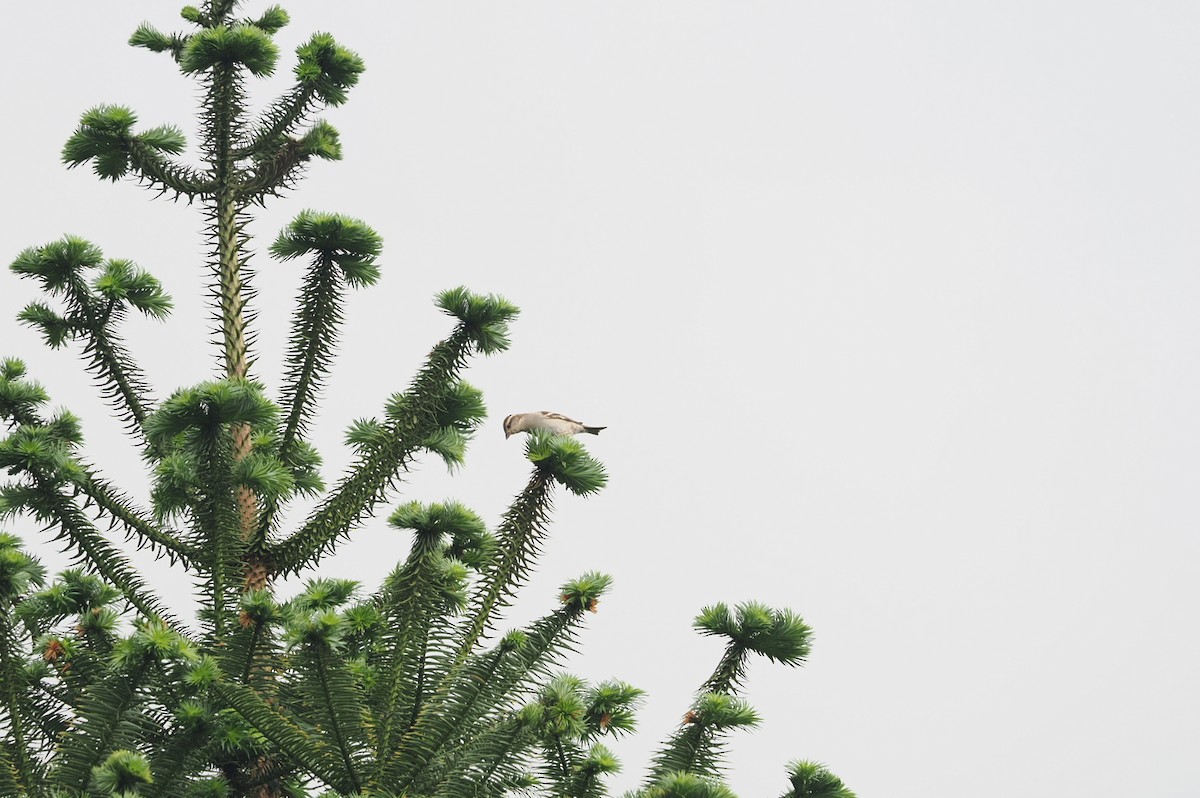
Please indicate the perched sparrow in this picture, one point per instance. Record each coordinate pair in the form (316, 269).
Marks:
(554, 422)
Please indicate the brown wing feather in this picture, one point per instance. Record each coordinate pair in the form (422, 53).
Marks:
(561, 417)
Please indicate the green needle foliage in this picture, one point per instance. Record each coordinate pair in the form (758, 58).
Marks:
(407, 690)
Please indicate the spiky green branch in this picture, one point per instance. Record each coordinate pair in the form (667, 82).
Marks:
(42, 454)
(752, 628)
(494, 753)
(340, 708)
(93, 732)
(162, 173)
(813, 780)
(779, 635)
(18, 573)
(310, 753)
(92, 313)
(343, 254)
(524, 527)
(146, 532)
(435, 401)
(415, 602)
(400, 767)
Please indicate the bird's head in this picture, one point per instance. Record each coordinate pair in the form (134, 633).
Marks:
(510, 426)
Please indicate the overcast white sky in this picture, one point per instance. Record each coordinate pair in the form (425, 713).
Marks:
(890, 309)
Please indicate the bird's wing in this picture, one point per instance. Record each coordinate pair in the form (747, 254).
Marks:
(561, 417)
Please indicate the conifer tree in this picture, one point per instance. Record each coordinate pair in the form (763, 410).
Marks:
(403, 690)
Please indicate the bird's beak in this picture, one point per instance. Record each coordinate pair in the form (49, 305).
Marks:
(507, 434)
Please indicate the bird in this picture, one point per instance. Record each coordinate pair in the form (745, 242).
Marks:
(552, 422)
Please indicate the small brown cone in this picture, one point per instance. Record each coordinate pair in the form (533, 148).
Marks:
(54, 651)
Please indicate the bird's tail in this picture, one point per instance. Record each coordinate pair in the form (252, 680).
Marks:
(593, 430)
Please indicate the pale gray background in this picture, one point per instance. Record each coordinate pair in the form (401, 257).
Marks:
(890, 309)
